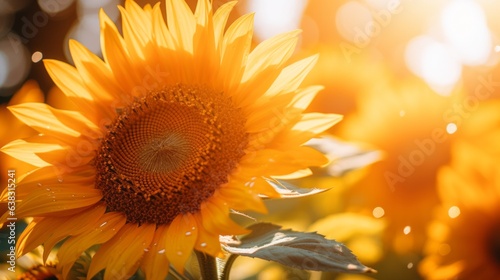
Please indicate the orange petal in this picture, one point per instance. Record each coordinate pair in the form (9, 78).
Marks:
(55, 122)
(181, 23)
(155, 263)
(181, 237)
(220, 19)
(55, 199)
(234, 53)
(121, 255)
(216, 220)
(291, 77)
(207, 242)
(101, 231)
(70, 226)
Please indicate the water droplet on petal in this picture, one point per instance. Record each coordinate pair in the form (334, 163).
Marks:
(407, 230)
(47, 189)
(162, 251)
(188, 233)
(410, 265)
(203, 244)
(60, 180)
(179, 253)
(103, 224)
(146, 250)
(39, 184)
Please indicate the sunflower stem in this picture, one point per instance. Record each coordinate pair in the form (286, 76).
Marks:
(207, 266)
(227, 267)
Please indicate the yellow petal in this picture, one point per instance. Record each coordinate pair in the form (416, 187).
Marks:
(29, 92)
(216, 220)
(241, 197)
(204, 50)
(63, 227)
(69, 81)
(55, 122)
(272, 52)
(162, 35)
(155, 263)
(181, 237)
(27, 152)
(103, 230)
(235, 49)
(97, 76)
(56, 199)
(220, 20)
(317, 122)
(207, 242)
(117, 56)
(292, 76)
(121, 255)
(181, 23)
(136, 36)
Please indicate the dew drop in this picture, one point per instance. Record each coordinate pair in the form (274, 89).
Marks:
(338, 247)
(193, 228)
(53, 200)
(352, 266)
(146, 250)
(47, 189)
(179, 253)
(188, 233)
(203, 244)
(410, 265)
(60, 180)
(39, 184)
(407, 230)
(162, 251)
(103, 224)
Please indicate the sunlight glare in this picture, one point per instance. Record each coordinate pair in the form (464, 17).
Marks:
(269, 22)
(465, 28)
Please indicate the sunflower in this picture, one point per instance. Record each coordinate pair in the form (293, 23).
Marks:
(32, 267)
(464, 238)
(179, 124)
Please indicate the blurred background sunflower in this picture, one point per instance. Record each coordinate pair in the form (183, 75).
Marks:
(417, 81)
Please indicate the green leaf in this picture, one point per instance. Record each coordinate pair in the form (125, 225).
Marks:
(288, 190)
(302, 250)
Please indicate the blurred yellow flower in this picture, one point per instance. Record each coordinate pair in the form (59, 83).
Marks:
(408, 122)
(32, 267)
(361, 233)
(345, 81)
(464, 239)
(11, 128)
(178, 125)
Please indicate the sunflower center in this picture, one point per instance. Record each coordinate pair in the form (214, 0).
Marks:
(168, 152)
